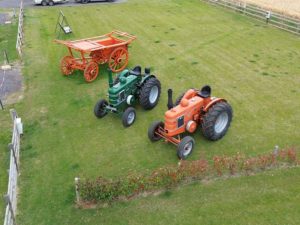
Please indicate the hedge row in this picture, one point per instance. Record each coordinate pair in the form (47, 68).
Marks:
(106, 190)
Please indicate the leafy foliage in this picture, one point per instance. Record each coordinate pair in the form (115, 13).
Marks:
(106, 190)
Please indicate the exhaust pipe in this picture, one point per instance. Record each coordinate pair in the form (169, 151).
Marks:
(110, 79)
(170, 100)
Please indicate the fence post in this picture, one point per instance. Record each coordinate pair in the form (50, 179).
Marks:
(1, 104)
(6, 60)
(244, 7)
(11, 147)
(8, 202)
(77, 180)
(13, 114)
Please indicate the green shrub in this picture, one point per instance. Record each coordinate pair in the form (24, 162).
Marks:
(105, 190)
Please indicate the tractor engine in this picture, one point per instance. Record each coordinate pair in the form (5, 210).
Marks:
(123, 91)
(185, 115)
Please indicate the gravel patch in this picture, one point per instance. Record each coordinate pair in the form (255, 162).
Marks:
(11, 84)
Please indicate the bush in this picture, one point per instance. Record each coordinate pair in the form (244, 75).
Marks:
(105, 190)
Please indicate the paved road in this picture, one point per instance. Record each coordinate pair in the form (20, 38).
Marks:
(29, 3)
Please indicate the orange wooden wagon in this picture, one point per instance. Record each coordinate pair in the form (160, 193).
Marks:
(111, 48)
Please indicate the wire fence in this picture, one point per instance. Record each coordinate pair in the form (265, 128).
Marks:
(20, 34)
(272, 18)
(11, 197)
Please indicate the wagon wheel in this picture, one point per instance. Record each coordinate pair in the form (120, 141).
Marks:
(66, 65)
(118, 59)
(91, 71)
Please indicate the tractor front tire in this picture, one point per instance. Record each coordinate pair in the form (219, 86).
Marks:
(128, 117)
(44, 3)
(99, 109)
(185, 147)
(51, 3)
(216, 121)
(152, 129)
(150, 93)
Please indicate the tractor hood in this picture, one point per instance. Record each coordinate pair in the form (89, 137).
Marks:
(177, 117)
(118, 92)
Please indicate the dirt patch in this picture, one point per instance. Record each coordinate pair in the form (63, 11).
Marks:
(11, 85)
(289, 7)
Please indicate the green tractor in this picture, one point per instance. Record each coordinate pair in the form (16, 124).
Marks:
(129, 87)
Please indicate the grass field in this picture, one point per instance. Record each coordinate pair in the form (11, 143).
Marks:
(187, 44)
(8, 35)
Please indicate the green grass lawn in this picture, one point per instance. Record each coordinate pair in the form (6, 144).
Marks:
(187, 44)
(8, 38)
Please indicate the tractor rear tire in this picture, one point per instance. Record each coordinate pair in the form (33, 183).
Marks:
(128, 117)
(44, 3)
(99, 109)
(216, 121)
(51, 3)
(152, 129)
(185, 147)
(150, 93)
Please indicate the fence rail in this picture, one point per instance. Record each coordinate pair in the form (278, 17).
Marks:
(11, 197)
(20, 35)
(275, 19)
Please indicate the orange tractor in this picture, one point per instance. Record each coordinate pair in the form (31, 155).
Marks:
(192, 109)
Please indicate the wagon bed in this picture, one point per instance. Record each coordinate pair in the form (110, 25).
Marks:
(110, 40)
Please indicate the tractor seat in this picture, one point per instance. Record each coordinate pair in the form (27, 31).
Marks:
(137, 71)
(205, 91)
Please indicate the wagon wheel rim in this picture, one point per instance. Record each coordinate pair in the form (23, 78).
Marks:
(91, 71)
(118, 59)
(66, 65)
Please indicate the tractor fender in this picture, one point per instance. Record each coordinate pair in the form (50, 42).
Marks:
(214, 100)
(147, 77)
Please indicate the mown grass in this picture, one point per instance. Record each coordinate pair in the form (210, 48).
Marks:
(187, 44)
(8, 38)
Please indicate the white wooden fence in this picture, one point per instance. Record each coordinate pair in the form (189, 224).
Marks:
(20, 30)
(275, 19)
(14, 147)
